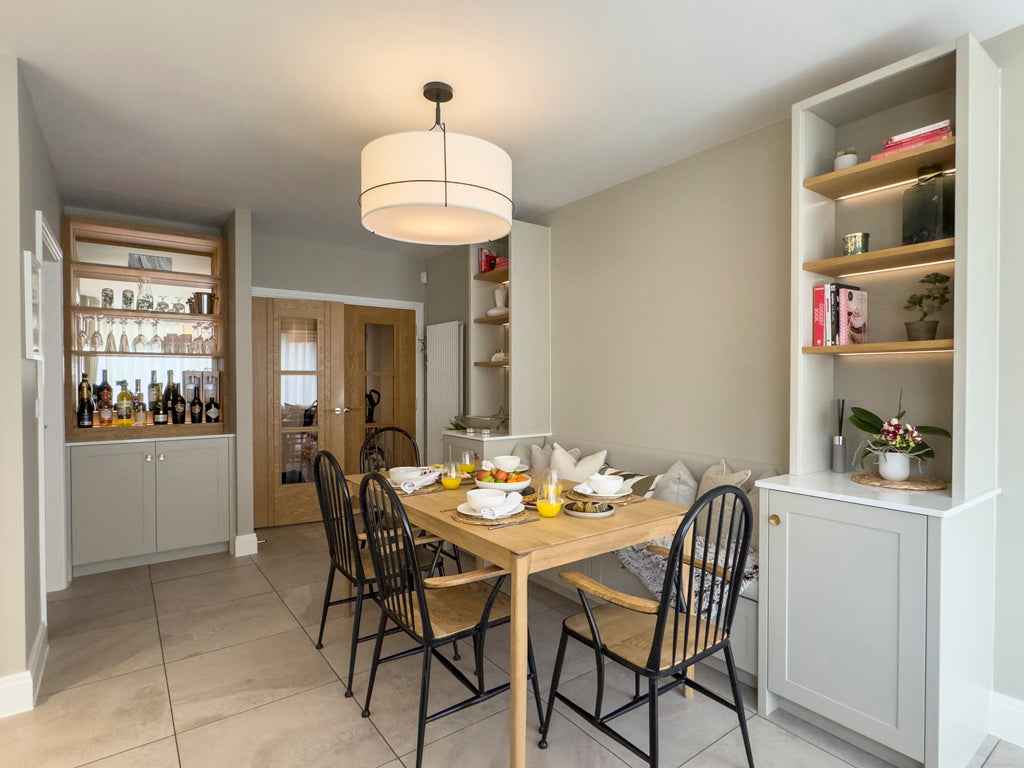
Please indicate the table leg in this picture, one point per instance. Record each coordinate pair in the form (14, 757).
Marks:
(519, 664)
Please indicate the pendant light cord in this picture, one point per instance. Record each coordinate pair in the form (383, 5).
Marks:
(444, 146)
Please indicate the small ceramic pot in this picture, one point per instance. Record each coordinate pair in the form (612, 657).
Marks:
(845, 161)
(922, 330)
(894, 466)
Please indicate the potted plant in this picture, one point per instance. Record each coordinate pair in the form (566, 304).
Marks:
(845, 158)
(894, 442)
(928, 303)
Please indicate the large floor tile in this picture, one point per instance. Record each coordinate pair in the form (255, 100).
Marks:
(395, 703)
(89, 722)
(290, 540)
(466, 747)
(1006, 755)
(108, 581)
(306, 601)
(105, 609)
(159, 754)
(557, 602)
(687, 726)
(771, 745)
(211, 627)
(191, 566)
(225, 682)
(316, 729)
(285, 572)
(826, 741)
(208, 588)
(86, 657)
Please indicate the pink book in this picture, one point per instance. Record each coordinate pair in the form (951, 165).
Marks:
(918, 141)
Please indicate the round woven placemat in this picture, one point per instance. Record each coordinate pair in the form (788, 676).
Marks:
(471, 520)
(574, 496)
(916, 483)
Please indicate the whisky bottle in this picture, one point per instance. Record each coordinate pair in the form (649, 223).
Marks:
(124, 405)
(196, 408)
(154, 389)
(212, 411)
(138, 406)
(85, 404)
(178, 406)
(105, 402)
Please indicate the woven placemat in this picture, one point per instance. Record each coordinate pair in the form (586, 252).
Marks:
(916, 483)
(574, 496)
(432, 488)
(471, 520)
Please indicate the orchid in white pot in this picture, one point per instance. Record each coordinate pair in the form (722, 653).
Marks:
(895, 442)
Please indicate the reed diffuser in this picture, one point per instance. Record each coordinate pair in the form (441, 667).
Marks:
(838, 445)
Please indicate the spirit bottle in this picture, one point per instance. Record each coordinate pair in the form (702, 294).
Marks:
(85, 404)
(178, 406)
(138, 406)
(168, 391)
(196, 408)
(105, 402)
(212, 411)
(159, 410)
(154, 390)
(124, 405)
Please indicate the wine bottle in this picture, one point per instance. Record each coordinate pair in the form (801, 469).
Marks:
(178, 406)
(212, 411)
(124, 405)
(169, 390)
(154, 390)
(138, 406)
(159, 410)
(85, 404)
(196, 408)
(105, 402)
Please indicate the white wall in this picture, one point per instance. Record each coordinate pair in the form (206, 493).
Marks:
(670, 308)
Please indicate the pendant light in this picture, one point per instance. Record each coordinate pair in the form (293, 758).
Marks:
(435, 187)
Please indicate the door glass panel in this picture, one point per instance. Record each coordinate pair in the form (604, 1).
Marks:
(380, 390)
(297, 452)
(298, 400)
(298, 344)
(380, 347)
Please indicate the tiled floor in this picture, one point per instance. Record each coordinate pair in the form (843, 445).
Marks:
(210, 662)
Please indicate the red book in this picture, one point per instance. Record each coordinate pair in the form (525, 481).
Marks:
(820, 302)
(917, 141)
(916, 132)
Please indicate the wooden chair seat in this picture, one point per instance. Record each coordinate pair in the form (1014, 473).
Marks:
(456, 609)
(627, 634)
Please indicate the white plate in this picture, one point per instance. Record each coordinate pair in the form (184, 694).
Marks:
(467, 509)
(506, 487)
(619, 495)
(395, 484)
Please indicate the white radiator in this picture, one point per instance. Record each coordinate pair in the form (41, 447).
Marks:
(444, 383)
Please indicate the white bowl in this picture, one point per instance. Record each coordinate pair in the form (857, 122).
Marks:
(401, 474)
(506, 463)
(605, 485)
(504, 487)
(481, 498)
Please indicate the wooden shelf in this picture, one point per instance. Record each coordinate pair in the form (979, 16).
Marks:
(889, 258)
(143, 354)
(494, 276)
(142, 314)
(499, 320)
(147, 432)
(885, 171)
(883, 347)
(156, 276)
(492, 364)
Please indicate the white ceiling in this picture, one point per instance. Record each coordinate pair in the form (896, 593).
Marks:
(186, 110)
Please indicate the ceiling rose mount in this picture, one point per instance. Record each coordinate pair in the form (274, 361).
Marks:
(435, 187)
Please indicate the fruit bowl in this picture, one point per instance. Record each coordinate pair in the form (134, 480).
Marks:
(506, 487)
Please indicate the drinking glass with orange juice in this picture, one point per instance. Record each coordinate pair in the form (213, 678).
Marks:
(468, 462)
(550, 478)
(450, 477)
(549, 500)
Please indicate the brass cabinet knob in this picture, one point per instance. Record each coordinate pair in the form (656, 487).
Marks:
(149, 457)
(161, 457)
(774, 520)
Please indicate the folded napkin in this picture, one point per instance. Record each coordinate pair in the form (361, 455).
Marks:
(486, 465)
(504, 509)
(584, 487)
(411, 486)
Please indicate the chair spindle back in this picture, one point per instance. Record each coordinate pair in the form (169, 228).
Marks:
(336, 511)
(388, 447)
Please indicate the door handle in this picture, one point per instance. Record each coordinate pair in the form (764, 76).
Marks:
(774, 520)
(346, 410)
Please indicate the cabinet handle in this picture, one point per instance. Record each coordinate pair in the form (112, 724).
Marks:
(774, 520)
(160, 457)
(346, 410)
(149, 457)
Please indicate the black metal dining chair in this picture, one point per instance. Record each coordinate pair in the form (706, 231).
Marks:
(349, 555)
(661, 639)
(432, 611)
(388, 447)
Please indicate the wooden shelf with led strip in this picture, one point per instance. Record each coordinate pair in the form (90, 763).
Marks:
(900, 168)
(919, 254)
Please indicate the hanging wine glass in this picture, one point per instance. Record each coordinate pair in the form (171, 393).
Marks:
(81, 337)
(198, 347)
(122, 343)
(111, 344)
(139, 343)
(210, 344)
(96, 339)
(156, 344)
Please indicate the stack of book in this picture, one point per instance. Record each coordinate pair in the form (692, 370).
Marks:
(917, 138)
(488, 261)
(840, 315)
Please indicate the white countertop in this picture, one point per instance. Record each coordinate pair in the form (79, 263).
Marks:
(147, 439)
(492, 436)
(833, 485)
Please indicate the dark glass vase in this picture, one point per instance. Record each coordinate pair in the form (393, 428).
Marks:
(928, 207)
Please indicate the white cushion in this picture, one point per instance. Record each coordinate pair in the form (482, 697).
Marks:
(677, 486)
(576, 471)
(540, 457)
(640, 484)
(720, 474)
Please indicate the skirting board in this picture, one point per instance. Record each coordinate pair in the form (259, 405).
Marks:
(244, 544)
(1007, 718)
(18, 691)
(37, 659)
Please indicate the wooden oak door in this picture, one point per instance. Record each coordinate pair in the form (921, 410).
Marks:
(380, 368)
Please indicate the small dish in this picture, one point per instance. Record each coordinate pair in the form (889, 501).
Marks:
(576, 509)
(468, 511)
(622, 492)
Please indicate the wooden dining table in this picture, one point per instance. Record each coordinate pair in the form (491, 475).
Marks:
(528, 548)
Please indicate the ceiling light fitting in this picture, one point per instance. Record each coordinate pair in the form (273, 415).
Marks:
(435, 187)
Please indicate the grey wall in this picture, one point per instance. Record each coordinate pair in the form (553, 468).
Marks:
(302, 265)
(1008, 52)
(670, 322)
(38, 190)
(447, 294)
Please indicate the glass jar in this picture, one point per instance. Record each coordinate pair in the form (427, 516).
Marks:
(145, 298)
(928, 207)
